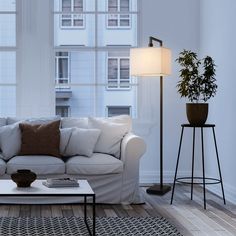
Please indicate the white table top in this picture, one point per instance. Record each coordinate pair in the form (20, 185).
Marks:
(8, 187)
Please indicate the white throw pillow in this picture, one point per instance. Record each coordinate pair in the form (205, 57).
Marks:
(65, 135)
(111, 135)
(10, 141)
(82, 142)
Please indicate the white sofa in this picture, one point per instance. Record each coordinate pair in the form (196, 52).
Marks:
(114, 180)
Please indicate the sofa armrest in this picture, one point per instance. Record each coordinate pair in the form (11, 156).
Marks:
(132, 147)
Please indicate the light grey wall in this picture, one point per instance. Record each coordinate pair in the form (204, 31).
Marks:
(177, 24)
(218, 37)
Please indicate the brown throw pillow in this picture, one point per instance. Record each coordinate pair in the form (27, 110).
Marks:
(40, 139)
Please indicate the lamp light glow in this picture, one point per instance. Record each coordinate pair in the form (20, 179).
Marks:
(150, 61)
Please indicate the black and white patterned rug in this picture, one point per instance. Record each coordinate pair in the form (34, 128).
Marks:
(73, 226)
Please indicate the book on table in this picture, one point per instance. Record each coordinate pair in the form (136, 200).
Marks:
(61, 182)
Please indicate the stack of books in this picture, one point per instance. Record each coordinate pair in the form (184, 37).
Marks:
(61, 182)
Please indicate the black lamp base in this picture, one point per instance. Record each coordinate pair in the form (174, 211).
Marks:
(158, 190)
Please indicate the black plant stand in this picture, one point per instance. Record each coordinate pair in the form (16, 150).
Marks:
(203, 178)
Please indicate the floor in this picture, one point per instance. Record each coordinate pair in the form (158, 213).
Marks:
(188, 216)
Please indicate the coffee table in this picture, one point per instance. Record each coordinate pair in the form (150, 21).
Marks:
(37, 189)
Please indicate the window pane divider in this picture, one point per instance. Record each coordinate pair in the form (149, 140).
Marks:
(8, 84)
(89, 84)
(85, 48)
(8, 12)
(94, 12)
(6, 48)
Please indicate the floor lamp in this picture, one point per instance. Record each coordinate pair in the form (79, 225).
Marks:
(152, 62)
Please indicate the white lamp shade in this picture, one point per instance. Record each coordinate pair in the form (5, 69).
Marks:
(150, 61)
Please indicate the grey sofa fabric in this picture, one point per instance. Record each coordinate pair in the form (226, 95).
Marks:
(33, 121)
(41, 165)
(3, 167)
(97, 164)
(3, 121)
(113, 180)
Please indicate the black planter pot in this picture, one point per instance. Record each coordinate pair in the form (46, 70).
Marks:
(197, 113)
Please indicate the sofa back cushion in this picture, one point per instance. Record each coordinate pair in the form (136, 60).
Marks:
(111, 136)
(40, 139)
(3, 121)
(32, 121)
(83, 122)
(10, 141)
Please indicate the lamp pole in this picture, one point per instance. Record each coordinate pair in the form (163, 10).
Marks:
(159, 189)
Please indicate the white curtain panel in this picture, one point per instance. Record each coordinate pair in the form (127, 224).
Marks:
(35, 77)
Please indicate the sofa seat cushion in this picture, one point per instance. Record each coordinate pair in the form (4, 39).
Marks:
(3, 167)
(97, 164)
(41, 165)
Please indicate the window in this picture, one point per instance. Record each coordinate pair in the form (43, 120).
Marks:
(62, 68)
(63, 111)
(7, 58)
(118, 73)
(75, 20)
(93, 62)
(118, 110)
(118, 20)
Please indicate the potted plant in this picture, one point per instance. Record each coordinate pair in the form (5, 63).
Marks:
(197, 83)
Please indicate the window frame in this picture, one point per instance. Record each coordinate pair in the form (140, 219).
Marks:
(57, 78)
(64, 106)
(118, 88)
(118, 17)
(72, 17)
(119, 106)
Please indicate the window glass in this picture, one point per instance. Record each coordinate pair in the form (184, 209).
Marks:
(112, 5)
(118, 73)
(62, 68)
(66, 5)
(72, 20)
(118, 20)
(7, 5)
(124, 5)
(95, 58)
(118, 110)
(7, 58)
(78, 5)
(112, 73)
(7, 100)
(62, 111)
(124, 73)
(7, 30)
(7, 67)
